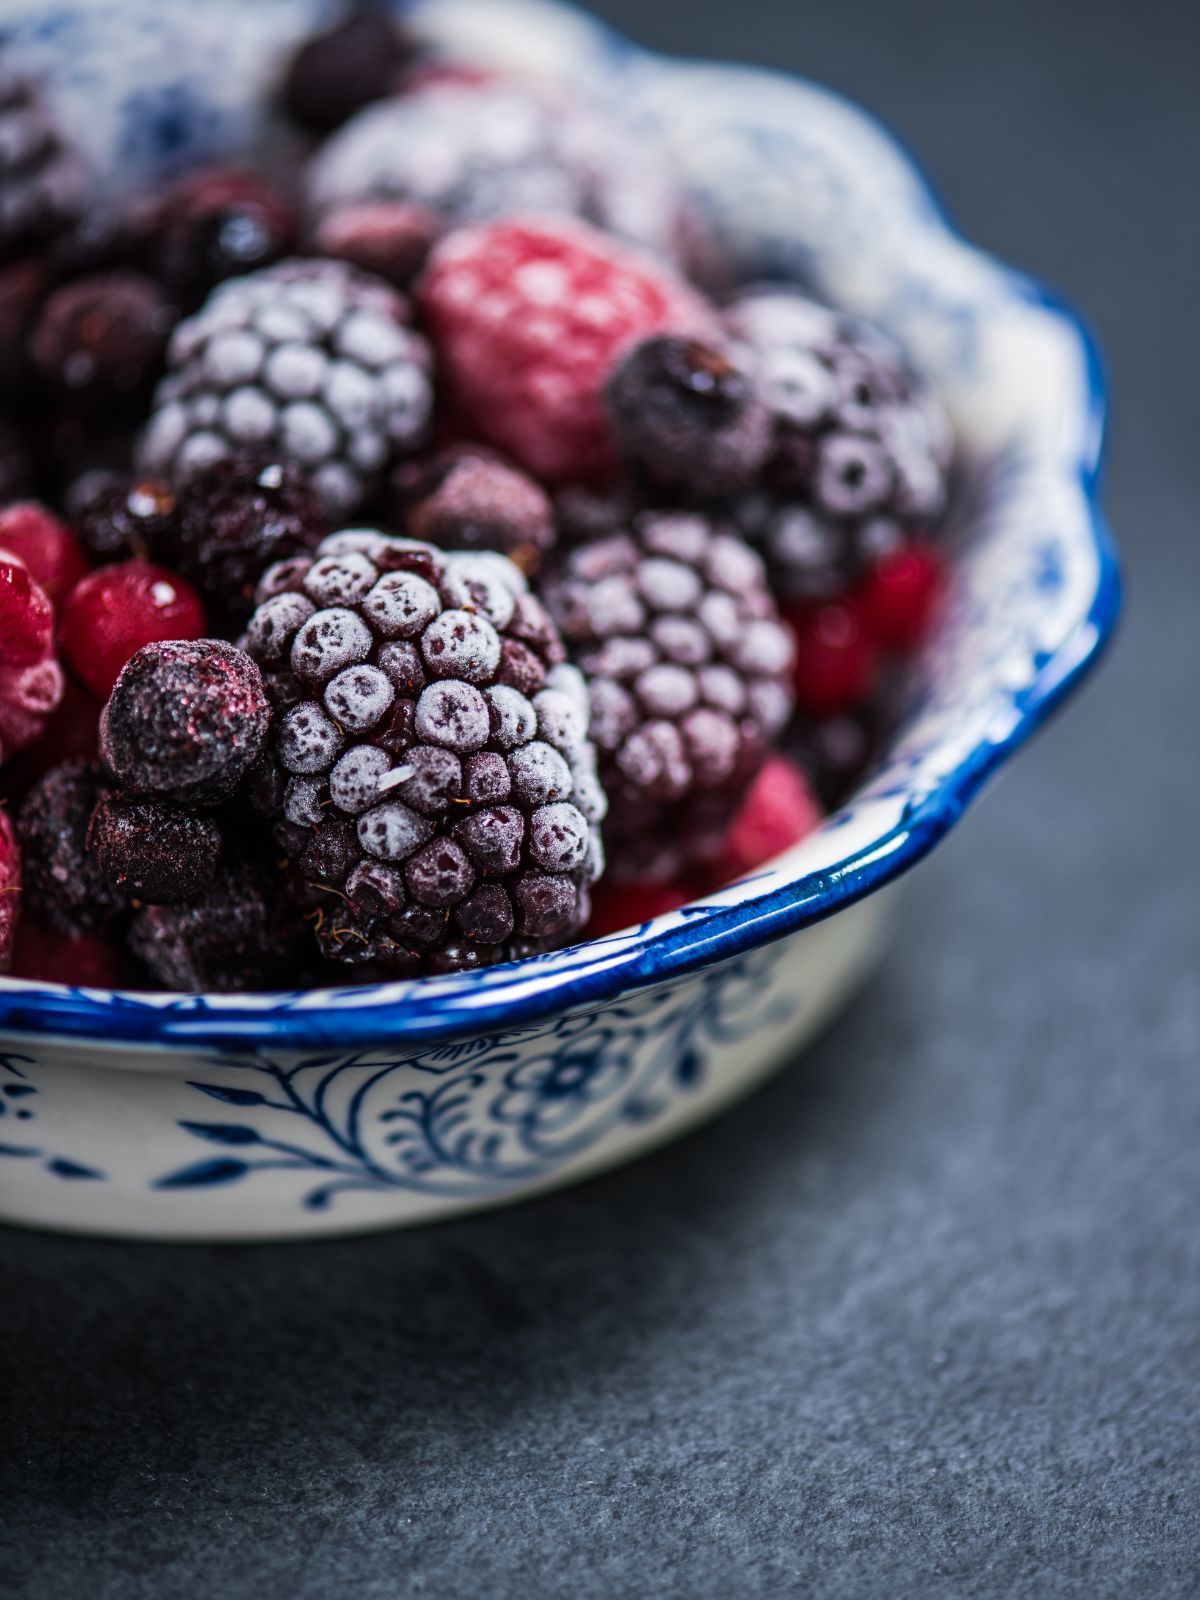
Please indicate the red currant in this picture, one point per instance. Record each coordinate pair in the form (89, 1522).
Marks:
(113, 612)
(50, 551)
(899, 595)
(836, 657)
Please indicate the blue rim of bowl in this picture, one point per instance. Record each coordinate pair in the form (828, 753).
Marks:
(518, 994)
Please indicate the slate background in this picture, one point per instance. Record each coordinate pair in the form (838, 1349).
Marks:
(923, 1317)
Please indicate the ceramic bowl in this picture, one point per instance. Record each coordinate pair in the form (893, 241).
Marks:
(290, 1114)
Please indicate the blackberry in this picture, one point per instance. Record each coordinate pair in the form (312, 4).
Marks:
(857, 433)
(152, 851)
(64, 884)
(100, 340)
(186, 720)
(117, 516)
(687, 667)
(474, 152)
(470, 499)
(686, 419)
(309, 362)
(211, 225)
(41, 177)
(434, 788)
(338, 71)
(238, 933)
(232, 520)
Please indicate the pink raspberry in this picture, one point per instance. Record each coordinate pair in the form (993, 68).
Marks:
(530, 319)
(31, 680)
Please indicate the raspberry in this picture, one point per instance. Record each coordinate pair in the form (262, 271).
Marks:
(236, 934)
(475, 152)
(150, 850)
(99, 341)
(778, 812)
(83, 960)
(186, 721)
(117, 516)
(113, 612)
(41, 179)
(232, 520)
(531, 319)
(624, 905)
(308, 362)
(898, 596)
(10, 888)
(387, 237)
(686, 419)
(687, 665)
(46, 546)
(210, 225)
(437, 792)
(63, 882)
(836, 659)
(469, 499)
(26, 615)
(338, 71)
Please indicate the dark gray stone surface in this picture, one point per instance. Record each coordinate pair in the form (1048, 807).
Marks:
(922, 1318)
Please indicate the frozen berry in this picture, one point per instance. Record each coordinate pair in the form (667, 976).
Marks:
(436, 790)
(232, 520)
(10, 888)
(475, 151)
(530, 319)
(687, 419)
(898, 596)
(28, 697)
(100, 340)
(237, 934)
(390, 238)
(308, 362)
(26, 615)
(22, 285)
(69, 731)
(338, 71)
(217, 223)
(63, 881)
(46, 545)
(114, 611)
(779, 810)
(150, 850)
(687, 664)
(836, 658)
(186, 721)
(117, 516)
(809, 556)
(41, 178)
(46, 954)
(469, 499)
(616, 906)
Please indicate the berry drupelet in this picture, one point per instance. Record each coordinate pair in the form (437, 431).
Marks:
(308, 362)
(687, 665)
(434, 785)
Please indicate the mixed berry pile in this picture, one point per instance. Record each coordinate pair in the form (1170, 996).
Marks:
(405, 564)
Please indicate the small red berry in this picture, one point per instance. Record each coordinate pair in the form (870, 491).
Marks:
(530, 320)
(26, 615)
(113, 612)
(624, 905)
(900, 594)
(50, 551)
(85, 960)
(836, 657)
(10, 888)
(779, 811)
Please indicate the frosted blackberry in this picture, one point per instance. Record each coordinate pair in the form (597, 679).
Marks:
(186, 721)
(687, 667)
(235, 518)
(474, 152)
(307, 362)
(150, 850)
(41, 178)
(434, 788)
(470, 499)
(857, 433)
(64, 884)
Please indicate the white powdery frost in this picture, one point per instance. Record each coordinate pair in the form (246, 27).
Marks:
(392, 831)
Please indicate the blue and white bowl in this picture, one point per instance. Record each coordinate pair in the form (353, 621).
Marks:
(226, 1116)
